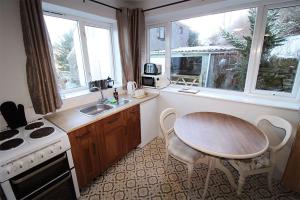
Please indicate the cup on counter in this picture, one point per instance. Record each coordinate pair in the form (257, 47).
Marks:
(139, 93)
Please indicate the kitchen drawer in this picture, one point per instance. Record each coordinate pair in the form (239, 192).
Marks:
(114, 121)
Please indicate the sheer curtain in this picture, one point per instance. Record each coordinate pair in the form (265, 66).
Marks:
(39, 65)
(131, 28)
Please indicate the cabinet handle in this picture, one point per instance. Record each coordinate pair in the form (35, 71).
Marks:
(113, 120)
(82, 135)
(94, 148)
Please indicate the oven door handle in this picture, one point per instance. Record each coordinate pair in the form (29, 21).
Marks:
(20, 180)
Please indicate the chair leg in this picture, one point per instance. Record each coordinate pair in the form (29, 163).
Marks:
(270, 180)
(241, 184)
(190, 172)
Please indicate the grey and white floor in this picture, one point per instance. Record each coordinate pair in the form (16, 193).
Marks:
(142, 175)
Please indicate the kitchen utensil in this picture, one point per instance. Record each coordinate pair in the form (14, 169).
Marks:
(93, 87)
(140, 93)
(104, 84)
(21, 115)
(110, 82)
(131, 87)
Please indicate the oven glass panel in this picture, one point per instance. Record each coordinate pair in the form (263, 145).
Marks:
(41, 178)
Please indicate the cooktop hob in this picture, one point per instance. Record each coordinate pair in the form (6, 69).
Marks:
(34, 125)
(8, 134)
(10, 144)
(42, 132)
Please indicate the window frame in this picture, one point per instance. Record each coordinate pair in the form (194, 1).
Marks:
(260, 39)
(167, 38)
(254, 56)
(82, 22)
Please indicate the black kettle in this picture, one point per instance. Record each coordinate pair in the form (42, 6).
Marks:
(110, 82)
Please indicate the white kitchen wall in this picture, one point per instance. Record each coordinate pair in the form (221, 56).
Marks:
(13, 82)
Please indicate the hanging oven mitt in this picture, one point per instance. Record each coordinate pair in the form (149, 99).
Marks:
(13, 115)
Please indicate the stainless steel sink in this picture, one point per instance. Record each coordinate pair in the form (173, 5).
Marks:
(122, 102)
(96, 109)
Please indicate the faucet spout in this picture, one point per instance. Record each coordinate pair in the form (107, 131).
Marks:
(102, 99)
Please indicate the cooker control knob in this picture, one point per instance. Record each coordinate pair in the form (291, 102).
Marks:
(8, 170)
(31, 159)
(51, 150)
(20, 164)
(41, 154)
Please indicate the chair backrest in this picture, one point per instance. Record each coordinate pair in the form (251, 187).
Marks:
(167, 120)
(277, 129)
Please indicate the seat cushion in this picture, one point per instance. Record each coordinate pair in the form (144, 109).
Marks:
(182, 151)
(259, 162)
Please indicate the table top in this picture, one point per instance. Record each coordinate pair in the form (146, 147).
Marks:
(221, 135)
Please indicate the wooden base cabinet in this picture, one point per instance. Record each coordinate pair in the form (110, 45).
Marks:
(97, 146)
(112, 139)
(133, 128)
(84, 147)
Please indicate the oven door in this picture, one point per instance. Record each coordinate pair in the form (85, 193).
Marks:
(49, 180)
(148, 81)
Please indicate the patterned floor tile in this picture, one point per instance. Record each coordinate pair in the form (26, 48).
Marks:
(142, 174)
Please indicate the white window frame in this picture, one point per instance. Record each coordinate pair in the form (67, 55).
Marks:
(257, 57)
(254, 57)
(167, 41)
(82, 22)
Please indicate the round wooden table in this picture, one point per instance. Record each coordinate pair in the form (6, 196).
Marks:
(221, 136)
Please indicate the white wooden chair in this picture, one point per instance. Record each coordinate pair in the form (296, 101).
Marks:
(278, 131)
(174, 146)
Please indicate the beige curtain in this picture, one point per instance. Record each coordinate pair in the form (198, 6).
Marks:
(131, 28)
(39, 65)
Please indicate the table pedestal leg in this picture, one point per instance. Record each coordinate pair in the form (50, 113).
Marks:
(226, 171)
(211, 163)
(215, 163)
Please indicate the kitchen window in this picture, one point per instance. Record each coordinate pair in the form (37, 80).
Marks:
(213, 51)
(83, 51)
(253, 51)
(280, 54)
(157, 46)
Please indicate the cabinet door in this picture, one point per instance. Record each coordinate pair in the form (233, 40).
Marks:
(113, 145)
(133, 129)
(85, 153)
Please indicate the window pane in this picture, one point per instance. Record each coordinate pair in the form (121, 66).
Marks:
(213, 50)
(281, 50)
(157, 46)
(99, 52)
(67, 52)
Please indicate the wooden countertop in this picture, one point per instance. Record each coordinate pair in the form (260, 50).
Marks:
(71, 119)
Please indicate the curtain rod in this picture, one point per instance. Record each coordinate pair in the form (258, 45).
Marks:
(166, 5)
(94, 1)
(154, 8)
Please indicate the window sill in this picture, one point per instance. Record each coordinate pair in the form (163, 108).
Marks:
(242, 98)
(75, 94)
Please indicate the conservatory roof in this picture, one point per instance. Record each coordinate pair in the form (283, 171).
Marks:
(198, 49)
